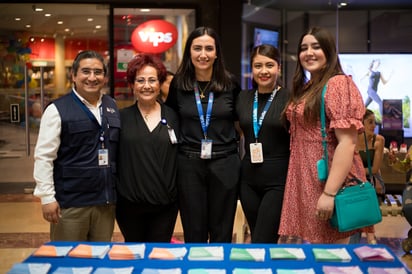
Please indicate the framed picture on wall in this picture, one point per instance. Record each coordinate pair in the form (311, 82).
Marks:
(265, 36)
(392, 114)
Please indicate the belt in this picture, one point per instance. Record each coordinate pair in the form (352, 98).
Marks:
(215, 155)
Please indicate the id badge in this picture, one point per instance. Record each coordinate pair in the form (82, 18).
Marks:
(256, 153)
(103, 157)
(206, 149)
(172, 135)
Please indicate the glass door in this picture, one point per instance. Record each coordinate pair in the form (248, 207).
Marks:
(37, 46)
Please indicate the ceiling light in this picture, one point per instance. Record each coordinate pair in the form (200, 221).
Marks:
(34, 8)
(59, 22)
(98, 27)
(342, 4)
(47, 14)
(28, 26)
(144, 10)
(90, 19)
(17, 19)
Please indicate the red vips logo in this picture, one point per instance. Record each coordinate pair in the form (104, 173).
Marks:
(154, 36)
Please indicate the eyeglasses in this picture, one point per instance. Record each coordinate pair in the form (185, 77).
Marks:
(142, 81)
(88, 72)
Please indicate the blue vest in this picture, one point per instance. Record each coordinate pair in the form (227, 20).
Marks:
(78, 179)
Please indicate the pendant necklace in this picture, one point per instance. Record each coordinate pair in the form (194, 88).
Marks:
(202, 91)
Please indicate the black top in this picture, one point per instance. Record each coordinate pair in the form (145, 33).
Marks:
(273, 133)
(364, 156)
(221, 128)
(147, 160)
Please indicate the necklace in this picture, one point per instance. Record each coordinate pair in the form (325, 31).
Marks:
(202, 90)
(147, 112)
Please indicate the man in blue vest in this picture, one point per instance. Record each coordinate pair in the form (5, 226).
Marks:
(75, 156)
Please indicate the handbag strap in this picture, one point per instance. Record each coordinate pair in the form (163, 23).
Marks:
(368, 156)
(323, 126)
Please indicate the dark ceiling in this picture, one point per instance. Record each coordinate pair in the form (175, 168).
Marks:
(331, 4)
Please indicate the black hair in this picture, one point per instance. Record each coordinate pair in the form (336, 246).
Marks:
(87, 54)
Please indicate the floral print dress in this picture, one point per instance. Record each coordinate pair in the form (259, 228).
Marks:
(344, 109)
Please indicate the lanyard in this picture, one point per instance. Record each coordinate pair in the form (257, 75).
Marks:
(204, 121)
(257, 124)
(91, 116)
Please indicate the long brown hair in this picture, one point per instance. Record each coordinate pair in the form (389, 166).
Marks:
(302, 85)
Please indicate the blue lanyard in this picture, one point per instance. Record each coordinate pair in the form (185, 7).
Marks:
(204, 122)
(258, 124)
(91, 116)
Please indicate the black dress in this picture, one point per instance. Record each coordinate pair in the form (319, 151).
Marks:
(263, 184)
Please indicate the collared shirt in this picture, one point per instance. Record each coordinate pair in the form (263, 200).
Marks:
(48, 143)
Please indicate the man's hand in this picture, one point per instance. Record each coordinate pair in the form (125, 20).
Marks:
(51, 212)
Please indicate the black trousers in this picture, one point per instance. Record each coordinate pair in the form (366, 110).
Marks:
(208, 193)
(145, 222)
(261, 193)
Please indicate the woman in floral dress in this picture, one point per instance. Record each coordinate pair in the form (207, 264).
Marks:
(308, 203)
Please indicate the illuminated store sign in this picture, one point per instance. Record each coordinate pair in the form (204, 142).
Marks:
(155, 36)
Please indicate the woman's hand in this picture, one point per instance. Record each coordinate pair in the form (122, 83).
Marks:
(324, 208)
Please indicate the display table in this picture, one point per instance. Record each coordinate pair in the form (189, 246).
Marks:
(229, 265)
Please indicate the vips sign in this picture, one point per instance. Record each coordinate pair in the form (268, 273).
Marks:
(154, 36)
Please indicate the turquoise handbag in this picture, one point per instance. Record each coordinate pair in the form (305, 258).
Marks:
(356, 205)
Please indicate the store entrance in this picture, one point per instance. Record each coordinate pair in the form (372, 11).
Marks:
(37, 46)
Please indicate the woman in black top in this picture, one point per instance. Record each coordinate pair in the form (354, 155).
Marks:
(203, 93)
(265, 165)
(375, 144)
(147, 195)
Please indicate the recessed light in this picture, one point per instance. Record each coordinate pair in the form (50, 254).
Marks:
(28, 26)
(145, 10)
(90, 19)
(59, 22)
(98, 27)
(17, 19)
(47, 14)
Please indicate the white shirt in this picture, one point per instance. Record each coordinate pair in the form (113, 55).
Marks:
(48, 143)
